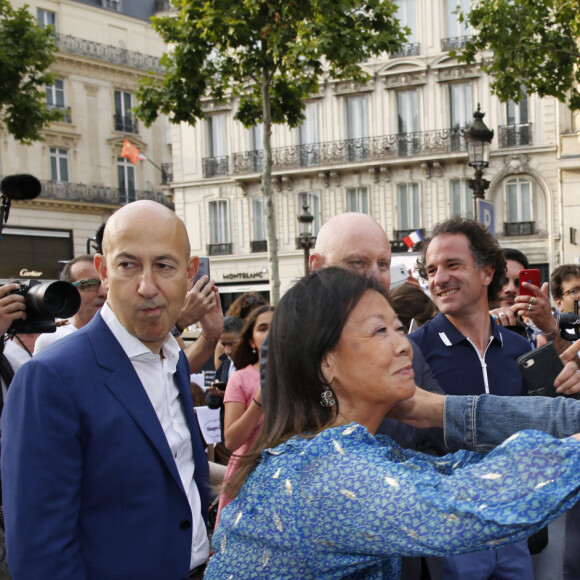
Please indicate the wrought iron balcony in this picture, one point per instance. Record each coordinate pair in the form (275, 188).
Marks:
(125, 123)
(257, 246)
(107, 52)
(347, 151)
(112, 5)
(97, 193)
(215, 166)
(166, 173)
(409, 49)
(66, 118)
(515, 135)
(220, 249)
(163, 5)
(454, 43)
(519, 228)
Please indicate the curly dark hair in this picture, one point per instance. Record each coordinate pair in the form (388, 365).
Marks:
(244, 304)
(483, 246)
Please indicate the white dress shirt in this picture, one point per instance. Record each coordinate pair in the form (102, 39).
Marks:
(157, 374)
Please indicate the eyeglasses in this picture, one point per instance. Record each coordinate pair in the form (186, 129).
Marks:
(89, 285)
(507, 279)
(573, 292)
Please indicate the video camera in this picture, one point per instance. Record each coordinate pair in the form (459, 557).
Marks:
(45, 301)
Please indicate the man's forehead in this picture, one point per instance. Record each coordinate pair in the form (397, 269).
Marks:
(571, 282)
(368, 255)
(78, 269)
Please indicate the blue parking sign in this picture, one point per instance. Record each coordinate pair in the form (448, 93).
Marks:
(485, 214)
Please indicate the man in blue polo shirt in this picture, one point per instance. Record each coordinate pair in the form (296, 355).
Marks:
(470, 355)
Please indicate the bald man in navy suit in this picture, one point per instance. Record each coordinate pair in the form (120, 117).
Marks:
(103, 469)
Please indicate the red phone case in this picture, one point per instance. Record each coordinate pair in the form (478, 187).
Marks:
(532, 276)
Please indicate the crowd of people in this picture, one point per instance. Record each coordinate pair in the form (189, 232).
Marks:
(366, 433)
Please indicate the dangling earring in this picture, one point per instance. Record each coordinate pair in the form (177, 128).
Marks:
(327, 397)
(254, 351)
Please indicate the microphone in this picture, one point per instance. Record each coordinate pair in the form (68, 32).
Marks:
(21, 186)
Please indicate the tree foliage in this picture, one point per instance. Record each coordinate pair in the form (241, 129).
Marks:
(26, 52)
(270, 55)
(532, 43)
(224, 48)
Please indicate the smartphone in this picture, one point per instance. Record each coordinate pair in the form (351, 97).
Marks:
(540, 367)
(533, 277)
(203, 269)
(399, 275)
(220, 385)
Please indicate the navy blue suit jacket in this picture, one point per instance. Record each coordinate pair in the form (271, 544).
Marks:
(91, 489)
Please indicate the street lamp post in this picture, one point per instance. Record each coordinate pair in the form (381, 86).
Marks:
(305, 219)
(478, 138)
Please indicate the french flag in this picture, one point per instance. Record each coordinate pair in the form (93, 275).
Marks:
(413, 238)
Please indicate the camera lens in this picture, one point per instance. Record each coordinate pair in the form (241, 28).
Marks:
(54, 299)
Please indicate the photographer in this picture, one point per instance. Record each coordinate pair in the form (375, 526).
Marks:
(12, 307)
(82, 274)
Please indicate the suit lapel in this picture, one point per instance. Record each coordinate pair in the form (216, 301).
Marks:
(124, 384)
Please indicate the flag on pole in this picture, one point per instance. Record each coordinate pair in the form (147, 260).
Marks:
(132, 153)
(413, 238)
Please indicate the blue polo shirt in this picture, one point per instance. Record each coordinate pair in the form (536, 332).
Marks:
(460, 370)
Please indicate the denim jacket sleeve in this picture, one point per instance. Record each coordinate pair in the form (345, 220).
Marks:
(479, 423)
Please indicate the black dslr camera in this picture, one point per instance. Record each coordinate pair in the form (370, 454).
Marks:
(569, 323)
(45, 301)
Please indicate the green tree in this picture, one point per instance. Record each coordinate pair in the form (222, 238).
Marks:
(26, 52)
(532, 43)
(270, 55)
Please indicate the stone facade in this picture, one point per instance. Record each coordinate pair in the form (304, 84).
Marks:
(392, 148)
(104, 48)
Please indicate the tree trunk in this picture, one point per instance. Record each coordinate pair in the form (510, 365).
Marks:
(268, 195)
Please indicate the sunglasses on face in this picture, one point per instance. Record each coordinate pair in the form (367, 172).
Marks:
(89, 285)
(507, 279)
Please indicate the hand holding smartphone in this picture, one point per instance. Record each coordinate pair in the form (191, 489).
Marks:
(532, 276)
(399, 275)
(202, 270)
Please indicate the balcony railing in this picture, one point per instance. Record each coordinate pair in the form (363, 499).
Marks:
(409, 49)
(219, 249)
(515, 135)
(454, 43)
(125, 123)
(257, 246)
(347, 151)
(97, 193)
(107, 52)
(112, 5)
(518, 228)
(163, 5)
(215, 166)
(66, 118)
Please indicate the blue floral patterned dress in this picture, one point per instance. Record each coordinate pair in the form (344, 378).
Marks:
(347, 504)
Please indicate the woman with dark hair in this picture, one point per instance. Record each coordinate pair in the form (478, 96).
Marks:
(243, 397)
(320, 496)
(411, 303)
